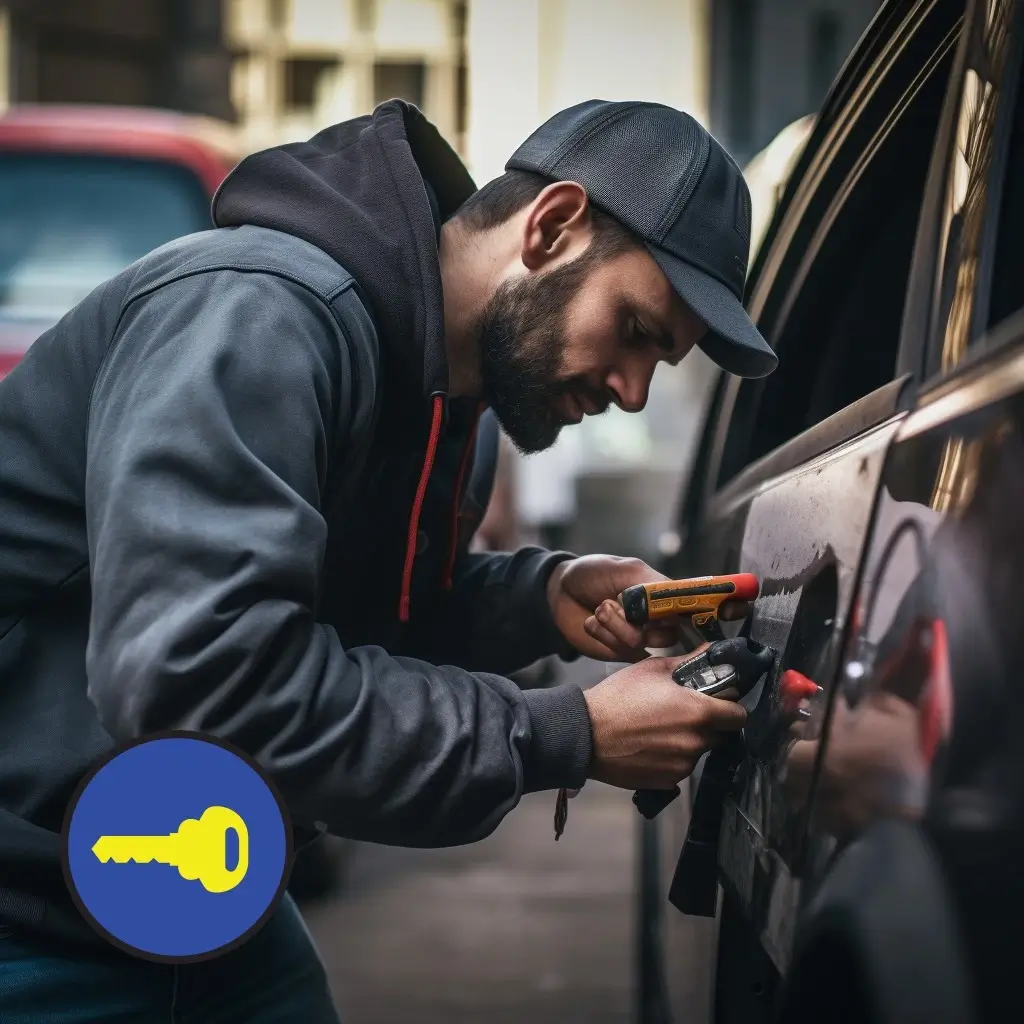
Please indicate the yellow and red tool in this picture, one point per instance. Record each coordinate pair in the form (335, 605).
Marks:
(721, 665)
(700, 599)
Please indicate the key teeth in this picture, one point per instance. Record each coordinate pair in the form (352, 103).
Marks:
(105, 855)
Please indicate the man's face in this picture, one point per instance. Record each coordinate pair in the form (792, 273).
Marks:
(563, 343)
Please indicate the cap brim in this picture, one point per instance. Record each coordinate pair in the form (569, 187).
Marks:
(732, 340)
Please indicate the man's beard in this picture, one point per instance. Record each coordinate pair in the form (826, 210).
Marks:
(522, 340)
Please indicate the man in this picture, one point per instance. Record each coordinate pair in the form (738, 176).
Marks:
(230, 491)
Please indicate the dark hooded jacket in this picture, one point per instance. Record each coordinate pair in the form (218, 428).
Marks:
(235, 498)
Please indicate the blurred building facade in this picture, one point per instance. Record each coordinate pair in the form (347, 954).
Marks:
(160, 53)
(303, 64)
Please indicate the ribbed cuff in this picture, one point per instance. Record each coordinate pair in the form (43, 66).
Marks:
(561, 741)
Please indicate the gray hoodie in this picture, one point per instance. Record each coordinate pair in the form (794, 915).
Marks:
(235, 498)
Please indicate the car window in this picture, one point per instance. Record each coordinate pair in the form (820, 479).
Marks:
(837, 329)
(961, 307)
(70, 221)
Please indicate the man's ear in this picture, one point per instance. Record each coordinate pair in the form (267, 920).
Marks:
(557, 225)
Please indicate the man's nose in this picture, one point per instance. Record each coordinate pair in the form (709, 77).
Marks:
(631, 388)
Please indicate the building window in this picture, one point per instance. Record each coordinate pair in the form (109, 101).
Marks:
(823, 64)
(277, 14)
(404, 81)
(740, 29)
(366, 15)
(461, 71)
(461, 100)
(301, 78)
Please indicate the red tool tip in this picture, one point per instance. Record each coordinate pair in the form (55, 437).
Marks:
(747, 586)
(795, 686)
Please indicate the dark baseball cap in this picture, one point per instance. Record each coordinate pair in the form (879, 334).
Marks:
(660, 174)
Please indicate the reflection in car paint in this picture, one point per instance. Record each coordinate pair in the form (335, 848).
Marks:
(894, 713)
(889, 732)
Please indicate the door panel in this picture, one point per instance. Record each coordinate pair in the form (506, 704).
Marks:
(924, 721)
(802, 536)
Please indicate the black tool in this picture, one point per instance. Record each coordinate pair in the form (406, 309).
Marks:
(725, 665)
(694, 888)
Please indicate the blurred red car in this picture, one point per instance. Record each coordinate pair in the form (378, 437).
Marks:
(84, 191)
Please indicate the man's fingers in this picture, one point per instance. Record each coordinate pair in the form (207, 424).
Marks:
(616, 650)
(612, 617)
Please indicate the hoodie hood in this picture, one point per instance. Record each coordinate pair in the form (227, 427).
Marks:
(363, 191)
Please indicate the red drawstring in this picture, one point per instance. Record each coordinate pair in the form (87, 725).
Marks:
(453, 542)
(417, 507)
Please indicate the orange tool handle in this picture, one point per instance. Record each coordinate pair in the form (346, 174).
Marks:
(696, 596)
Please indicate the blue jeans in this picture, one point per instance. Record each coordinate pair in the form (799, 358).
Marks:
(276, 976)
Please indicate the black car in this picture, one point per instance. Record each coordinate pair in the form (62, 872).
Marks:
(871, 835)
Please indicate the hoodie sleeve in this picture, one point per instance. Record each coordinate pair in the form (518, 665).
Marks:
(212, 421)
(496, 618)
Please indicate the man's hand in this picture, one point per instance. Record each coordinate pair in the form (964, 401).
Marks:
(649, 731)
(583, 595)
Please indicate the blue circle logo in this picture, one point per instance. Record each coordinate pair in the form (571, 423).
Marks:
(176, 847)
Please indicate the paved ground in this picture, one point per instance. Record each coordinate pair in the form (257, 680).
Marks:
(515, 929)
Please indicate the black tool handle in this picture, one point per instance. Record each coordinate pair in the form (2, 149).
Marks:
(694, 888)
(651, 802)
(749, 662)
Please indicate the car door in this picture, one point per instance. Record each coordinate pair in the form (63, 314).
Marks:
(917, 825)
(791, 465)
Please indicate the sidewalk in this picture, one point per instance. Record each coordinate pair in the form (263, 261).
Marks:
(517, 928)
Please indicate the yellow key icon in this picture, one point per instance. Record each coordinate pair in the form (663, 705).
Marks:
(198, 849)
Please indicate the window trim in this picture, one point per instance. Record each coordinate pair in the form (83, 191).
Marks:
(818, 164)
(849, 184)
(914, 328)
(827, 143)
(841, 427)
(869, 52)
